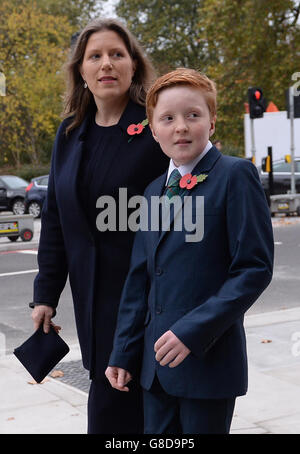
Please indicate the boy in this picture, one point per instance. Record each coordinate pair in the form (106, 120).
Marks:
(183, 303)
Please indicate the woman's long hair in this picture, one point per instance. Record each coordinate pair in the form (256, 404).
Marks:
(79, 100)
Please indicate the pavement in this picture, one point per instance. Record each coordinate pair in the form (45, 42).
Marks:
(271, 406)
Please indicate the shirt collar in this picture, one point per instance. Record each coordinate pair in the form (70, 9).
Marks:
(187, 168)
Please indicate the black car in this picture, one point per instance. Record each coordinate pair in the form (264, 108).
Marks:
(281, 177)
(35, 195)
(12, 193)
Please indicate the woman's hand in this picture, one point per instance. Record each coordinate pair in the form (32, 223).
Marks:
(42, 315)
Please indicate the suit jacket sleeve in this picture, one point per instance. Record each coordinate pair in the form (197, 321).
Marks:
(129, 334)
(53, 267)
(251, 249)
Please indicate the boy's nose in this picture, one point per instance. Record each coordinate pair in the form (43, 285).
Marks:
(181, 126)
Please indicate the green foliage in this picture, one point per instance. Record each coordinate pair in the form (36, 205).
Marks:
(78, 12)
(238, 43)
(35, 44)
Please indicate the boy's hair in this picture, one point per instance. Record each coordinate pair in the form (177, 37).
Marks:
(187, 77)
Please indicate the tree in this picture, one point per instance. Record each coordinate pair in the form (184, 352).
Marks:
(169, 31)
(238, 43)
(78, 12)
(34, 46)
(253, 43)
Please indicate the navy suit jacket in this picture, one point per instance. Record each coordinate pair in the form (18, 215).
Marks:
(199, 290)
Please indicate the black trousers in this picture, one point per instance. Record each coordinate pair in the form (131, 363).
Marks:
(115, 412)
(166, 414)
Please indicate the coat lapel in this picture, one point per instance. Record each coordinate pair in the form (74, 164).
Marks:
(132, 114)
(73, 170)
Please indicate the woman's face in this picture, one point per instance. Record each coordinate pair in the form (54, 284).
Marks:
(107, 67)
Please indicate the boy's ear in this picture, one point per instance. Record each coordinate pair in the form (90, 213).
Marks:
(153, 133)
(212, 126)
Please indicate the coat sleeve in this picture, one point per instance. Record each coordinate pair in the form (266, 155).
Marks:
(251, 249)
(128, 340)
(52, 260)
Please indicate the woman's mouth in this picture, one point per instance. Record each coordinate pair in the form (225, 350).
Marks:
(107, 79)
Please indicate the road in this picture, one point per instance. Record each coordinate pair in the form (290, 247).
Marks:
(18, 269)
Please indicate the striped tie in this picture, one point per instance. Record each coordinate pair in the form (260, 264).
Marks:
(173, 187)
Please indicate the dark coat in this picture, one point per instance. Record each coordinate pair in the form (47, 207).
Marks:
(97, 264)
(199, 290)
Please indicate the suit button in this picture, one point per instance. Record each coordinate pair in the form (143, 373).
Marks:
(158, 310)
(158, 272)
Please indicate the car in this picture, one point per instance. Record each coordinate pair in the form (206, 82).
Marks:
(35, 195)
(12, 193)
(281, 177)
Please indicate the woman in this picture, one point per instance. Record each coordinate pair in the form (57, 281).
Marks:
(94, 155)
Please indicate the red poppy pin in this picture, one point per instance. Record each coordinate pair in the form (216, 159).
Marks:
(188, 181)
(136, 129)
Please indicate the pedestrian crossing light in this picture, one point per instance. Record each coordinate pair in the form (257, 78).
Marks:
(266, 164)
(257, 102)
(288, 158)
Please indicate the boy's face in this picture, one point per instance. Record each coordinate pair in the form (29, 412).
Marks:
(181, 123)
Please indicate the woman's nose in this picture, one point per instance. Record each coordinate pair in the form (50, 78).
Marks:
(106, 63)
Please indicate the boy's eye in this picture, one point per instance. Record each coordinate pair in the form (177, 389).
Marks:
(193, 115)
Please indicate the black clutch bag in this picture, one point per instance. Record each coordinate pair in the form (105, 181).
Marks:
(41, 352)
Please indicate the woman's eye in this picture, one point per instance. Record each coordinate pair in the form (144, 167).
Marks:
(95, 56)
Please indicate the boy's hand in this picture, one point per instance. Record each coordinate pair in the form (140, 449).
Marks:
(118, 377)
(170, 349)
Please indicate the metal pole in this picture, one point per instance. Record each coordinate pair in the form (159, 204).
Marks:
(252, 140)
(271, 180)
(291, 95)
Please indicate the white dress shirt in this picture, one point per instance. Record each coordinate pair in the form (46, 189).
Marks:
(187, 168)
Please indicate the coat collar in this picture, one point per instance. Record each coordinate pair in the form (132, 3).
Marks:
(133, 113)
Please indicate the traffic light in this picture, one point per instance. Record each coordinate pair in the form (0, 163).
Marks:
(257, 102)
(251, 159)
(288, 158)
(266, 164)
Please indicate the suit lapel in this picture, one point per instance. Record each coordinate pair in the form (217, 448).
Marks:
(157, 191)
(204, 166)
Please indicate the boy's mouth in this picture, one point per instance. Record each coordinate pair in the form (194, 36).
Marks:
(182, 142)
